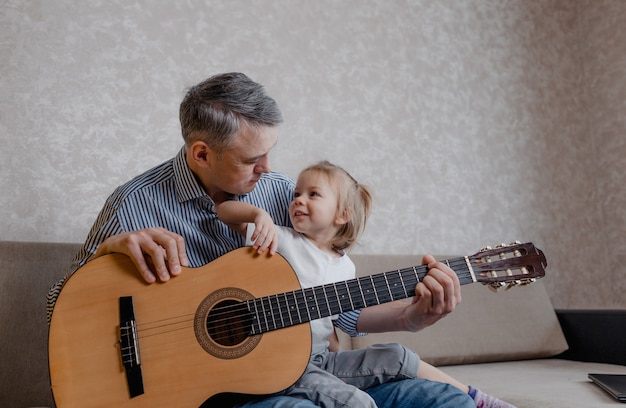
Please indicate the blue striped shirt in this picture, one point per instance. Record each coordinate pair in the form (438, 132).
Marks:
(169, 196)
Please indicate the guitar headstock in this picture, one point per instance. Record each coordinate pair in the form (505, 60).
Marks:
(508, 265)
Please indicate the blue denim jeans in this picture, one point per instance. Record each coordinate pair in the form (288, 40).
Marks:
(414, 393)
(417, 393)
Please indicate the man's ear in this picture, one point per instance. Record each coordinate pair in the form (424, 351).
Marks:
(201, 154)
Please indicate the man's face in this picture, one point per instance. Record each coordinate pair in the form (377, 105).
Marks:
(239, 169)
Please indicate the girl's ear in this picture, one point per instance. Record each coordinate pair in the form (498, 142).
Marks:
(343, 217)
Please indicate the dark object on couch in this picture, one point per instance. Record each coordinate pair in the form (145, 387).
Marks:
(594, 335)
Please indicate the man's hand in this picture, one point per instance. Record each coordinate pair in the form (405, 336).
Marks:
(435, 297)
(156, 252)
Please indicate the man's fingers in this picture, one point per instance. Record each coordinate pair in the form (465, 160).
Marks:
(173, 245)
(143, 263)
(159, 253)
(428, 259)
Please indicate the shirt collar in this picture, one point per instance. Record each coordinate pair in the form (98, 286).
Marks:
(187, 186)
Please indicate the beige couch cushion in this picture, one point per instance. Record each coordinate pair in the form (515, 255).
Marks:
(545, 383)
(519, 323)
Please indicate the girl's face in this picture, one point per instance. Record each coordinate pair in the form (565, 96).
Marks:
(313, 210)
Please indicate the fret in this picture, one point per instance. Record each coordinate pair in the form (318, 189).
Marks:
(384, 276)
(367, 292)
(258, 316)
(406, 292)
(292, 305)
(355, 294)
(411, 279)
(253, 316)
(395, 285)
(311, 304)
(274, 312)
(383, 294)
(267, 312)
(332, 299)
(322, 301)
(303, 310)
(277, 311)
(285, 316)
(343, 295)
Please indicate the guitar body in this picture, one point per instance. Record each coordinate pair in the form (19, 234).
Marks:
(180, 362)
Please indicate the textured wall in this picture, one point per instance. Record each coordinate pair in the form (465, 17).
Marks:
(474, 122)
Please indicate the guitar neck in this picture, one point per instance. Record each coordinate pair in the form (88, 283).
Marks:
(304, 305)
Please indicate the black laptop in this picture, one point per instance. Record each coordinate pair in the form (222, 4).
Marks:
(614, 384)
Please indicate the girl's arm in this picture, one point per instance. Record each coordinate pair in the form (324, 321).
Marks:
(237, 215)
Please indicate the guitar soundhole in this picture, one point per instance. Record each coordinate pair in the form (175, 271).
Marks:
(228, 323)
(223, 324)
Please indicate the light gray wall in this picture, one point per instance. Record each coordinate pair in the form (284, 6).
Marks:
(474, 122)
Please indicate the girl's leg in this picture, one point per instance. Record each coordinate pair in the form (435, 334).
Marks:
(278, 401)
(418, 393)
(482, 400)
(428, 372)
(375, 365)
(327, 391)
(387, 373)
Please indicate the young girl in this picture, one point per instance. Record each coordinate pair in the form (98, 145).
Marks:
(328, 213)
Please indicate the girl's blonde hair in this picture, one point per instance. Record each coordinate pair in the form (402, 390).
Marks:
(354, 201)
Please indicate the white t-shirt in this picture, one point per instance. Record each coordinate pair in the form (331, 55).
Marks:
(313, 268)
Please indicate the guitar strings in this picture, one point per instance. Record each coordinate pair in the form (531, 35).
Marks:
(377, 286)
(222, 327)
(368, 298)
(307, 305)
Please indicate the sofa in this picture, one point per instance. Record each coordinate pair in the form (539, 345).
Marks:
(512, 343)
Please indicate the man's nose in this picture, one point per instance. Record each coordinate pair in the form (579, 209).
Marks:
(263, 165)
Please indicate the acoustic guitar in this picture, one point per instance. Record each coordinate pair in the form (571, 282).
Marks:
(236, 325)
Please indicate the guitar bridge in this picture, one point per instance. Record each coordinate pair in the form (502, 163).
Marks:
(129, 347)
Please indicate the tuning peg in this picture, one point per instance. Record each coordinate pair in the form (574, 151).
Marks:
(485, 249)
(511, 284)
(496, 286)
(528, 281)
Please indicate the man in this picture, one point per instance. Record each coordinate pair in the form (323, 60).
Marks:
(165, 219)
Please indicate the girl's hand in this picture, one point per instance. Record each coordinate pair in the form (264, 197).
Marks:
(264, 235)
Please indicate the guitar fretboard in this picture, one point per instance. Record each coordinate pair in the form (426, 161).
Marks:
(304, 305)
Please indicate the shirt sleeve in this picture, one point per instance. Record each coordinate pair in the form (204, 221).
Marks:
(106, 225)
(347, 323)
(51, 298)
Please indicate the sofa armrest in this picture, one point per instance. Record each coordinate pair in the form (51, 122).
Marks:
(594, 335)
